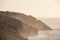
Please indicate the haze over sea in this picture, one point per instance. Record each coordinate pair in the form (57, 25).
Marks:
(46, 35)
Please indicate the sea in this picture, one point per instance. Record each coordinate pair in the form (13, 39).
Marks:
(46, 35)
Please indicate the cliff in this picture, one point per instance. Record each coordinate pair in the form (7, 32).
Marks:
(17, 26)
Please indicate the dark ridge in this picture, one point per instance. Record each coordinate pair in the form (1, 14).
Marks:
(9, 28)
(13, 23)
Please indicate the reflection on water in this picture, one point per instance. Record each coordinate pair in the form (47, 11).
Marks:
(47, 35)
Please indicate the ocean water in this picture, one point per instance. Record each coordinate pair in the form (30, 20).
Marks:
(46, 35)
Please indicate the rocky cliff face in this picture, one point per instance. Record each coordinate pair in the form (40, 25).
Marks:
(9, 28)
(16, 26)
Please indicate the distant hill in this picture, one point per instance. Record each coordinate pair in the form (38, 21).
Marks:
(13, 24)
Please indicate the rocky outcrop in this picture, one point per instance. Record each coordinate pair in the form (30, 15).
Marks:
(17, 26)
(9, 28)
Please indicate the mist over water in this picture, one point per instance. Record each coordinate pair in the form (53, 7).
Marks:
(47, 35)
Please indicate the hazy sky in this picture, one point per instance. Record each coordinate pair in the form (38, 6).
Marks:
(36, 8)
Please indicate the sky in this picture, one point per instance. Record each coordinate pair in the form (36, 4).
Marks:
(36, 8)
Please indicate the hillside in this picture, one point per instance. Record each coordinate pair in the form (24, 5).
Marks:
(17, 25)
